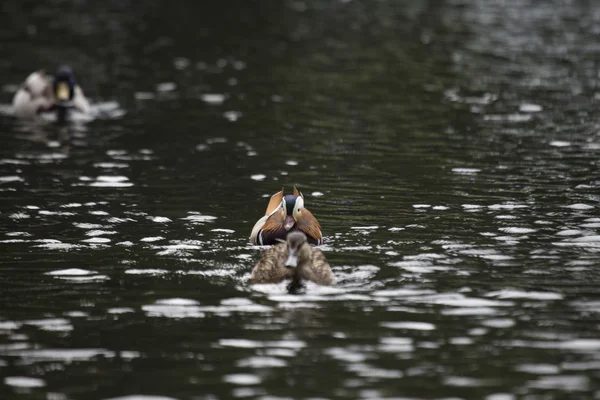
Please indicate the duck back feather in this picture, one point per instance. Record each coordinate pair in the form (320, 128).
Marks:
(311, 265)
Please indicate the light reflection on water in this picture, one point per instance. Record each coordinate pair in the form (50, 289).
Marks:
(454, 173)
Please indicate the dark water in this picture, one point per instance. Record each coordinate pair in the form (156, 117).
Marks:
(450, 150)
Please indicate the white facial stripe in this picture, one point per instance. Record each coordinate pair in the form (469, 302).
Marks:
(299, 204)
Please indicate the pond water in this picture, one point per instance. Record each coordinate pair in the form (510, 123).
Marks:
(450, 150)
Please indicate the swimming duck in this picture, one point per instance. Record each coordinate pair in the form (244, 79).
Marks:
(286, 214)
(42, 93)
(293, 259)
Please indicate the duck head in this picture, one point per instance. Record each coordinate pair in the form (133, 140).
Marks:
(295, 217)
(292, 206)
(298, 250)
(63, 87)
(64, 84)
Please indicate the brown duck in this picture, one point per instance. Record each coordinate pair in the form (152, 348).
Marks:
(286, 214)
(295, 260)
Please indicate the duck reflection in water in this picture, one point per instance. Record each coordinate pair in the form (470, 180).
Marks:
(293, 259)
(286, 214)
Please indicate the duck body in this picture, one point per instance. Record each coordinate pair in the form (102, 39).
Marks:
(34, 96)
(41, 93)
(293, 260)
(286, 214)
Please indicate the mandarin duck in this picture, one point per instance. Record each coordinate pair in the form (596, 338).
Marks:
(42, 93)
(286, 214)
(293, 259)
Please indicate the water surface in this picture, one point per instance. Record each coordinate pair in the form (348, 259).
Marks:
(449, 150)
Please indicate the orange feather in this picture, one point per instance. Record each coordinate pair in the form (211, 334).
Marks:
(308, 224)
(274, 202)
(275, 222)
(297, 193)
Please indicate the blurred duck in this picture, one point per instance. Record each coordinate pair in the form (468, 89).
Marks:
(286, 214)
(293, 259)
(42, 93)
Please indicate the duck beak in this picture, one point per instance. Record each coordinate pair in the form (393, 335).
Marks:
(62, 91)
(292, 260)
(289, 222)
